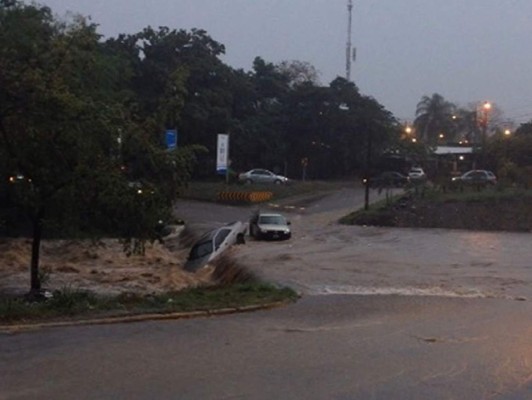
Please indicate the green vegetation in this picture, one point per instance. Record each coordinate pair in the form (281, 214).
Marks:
(74, 304)
(378, 213)
(82, 123)
(489, 209)
(469, 195)
(232, 287)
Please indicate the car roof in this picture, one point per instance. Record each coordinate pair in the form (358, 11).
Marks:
(270, 215)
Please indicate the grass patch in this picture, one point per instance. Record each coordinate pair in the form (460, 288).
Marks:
(74, 304)
(379, 213)
(491, 209)
(472, 195)
(233, 286)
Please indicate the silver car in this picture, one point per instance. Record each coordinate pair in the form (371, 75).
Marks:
(417, 173)
(259, 175)
(269, 226)
(477, 177)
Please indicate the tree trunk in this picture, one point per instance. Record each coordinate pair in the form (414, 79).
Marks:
(35, 250)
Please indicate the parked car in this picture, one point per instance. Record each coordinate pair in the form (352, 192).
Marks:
(416, 174)
(477, 177)
(214, 243)
(388, 179)
(261, 176)
(269, 226)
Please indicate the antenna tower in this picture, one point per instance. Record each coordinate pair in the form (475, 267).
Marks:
(348, 48)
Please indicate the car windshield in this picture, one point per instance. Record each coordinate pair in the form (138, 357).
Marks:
(201, 250)
(272, 220)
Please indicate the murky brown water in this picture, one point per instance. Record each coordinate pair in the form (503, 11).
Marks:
(327, 258)
(324, 257)
(367, 260)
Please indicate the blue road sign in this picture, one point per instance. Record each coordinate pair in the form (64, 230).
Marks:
(171, 139)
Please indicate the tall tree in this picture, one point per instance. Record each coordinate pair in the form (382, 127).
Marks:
(433, 117)
(465, 125)
(299, 72)
(524, 129)
(63, 109)
(258, 132)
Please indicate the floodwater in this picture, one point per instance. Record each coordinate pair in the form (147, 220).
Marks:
(370, 260)
(324, 257)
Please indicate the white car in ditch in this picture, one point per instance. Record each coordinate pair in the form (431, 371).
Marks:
(214, 243)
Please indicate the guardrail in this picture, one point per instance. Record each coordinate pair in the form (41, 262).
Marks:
(248, 197)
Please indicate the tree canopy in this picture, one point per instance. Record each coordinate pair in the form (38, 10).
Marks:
(82, 122)
(433, 116)
(75, 147)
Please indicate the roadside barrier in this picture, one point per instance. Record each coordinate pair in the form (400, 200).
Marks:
(249, 197)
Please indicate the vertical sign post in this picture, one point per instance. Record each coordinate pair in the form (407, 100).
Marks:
(222, 156)
(171, 139)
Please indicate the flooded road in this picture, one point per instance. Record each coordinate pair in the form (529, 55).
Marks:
(371, 260)
(324, 257)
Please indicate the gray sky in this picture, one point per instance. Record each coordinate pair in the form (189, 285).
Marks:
(469, 51)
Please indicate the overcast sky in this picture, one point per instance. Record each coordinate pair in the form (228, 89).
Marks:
(469, 51)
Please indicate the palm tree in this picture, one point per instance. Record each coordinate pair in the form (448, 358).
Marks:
(466, 125)
(434, 117)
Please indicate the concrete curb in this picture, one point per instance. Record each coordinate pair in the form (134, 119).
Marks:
(19, 328)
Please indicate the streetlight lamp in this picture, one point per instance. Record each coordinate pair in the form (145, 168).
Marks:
(408, 132)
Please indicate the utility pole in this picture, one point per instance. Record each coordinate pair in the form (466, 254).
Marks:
(349, 44)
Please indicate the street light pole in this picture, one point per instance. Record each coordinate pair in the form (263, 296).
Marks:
(368, 164)
(486, 108)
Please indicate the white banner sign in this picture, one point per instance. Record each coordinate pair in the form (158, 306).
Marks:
(222, 153)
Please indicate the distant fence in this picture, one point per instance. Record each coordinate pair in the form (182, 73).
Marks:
(248, 197)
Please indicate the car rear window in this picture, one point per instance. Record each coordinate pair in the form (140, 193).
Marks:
(272, 220)
(201, 250)
(220, 237)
